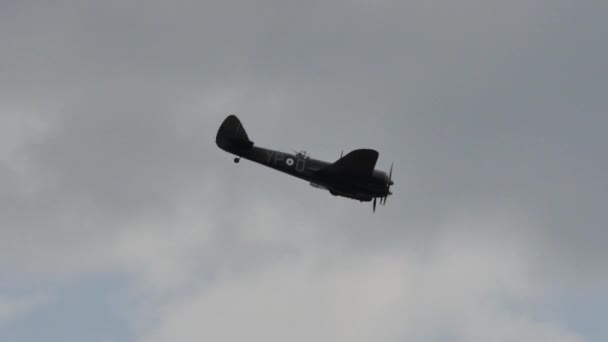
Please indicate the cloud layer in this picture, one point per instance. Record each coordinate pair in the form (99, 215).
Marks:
(493, 113)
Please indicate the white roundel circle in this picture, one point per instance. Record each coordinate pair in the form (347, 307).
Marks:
(289, 162)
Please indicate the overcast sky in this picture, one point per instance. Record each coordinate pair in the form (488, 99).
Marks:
(121, 221)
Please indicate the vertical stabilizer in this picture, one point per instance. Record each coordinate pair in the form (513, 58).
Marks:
(232, 137)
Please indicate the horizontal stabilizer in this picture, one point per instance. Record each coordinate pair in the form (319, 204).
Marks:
(358, 163)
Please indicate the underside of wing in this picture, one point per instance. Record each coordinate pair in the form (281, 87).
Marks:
(358, 163)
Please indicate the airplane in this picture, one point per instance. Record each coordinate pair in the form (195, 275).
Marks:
(352, 176)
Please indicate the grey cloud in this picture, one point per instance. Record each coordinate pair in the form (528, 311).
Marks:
(477, 103)
(485, 108)
(15, 308)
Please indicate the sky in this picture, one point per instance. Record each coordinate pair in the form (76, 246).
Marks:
(121, 220)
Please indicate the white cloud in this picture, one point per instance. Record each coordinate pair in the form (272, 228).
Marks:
(464, 290)
(161, 254)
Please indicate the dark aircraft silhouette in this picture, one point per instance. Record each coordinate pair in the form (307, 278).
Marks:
(352, 176)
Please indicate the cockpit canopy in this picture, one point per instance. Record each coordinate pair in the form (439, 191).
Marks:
(302, 154)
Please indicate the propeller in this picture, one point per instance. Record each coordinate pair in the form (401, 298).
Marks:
(388, 185)
(388, 188)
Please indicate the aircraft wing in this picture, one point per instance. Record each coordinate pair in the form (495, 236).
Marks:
(358, 163)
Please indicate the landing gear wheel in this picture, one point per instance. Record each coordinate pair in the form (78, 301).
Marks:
(237, 160)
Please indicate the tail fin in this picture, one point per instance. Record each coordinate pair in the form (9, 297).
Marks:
(231, 137)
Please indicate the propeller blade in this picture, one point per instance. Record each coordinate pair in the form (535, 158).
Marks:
(374, 204)
(388, 186)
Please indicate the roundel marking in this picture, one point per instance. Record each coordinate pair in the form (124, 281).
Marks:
(289, 161)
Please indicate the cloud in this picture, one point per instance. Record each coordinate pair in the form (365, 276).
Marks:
(465, 290)
(14, 308)
(108, 165)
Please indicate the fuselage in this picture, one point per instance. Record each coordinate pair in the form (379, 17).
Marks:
(309, 169)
